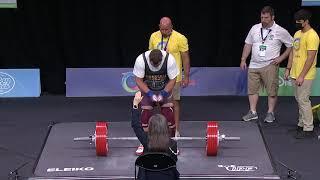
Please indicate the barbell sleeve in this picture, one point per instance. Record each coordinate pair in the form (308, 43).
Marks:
(122, 138)
(188, 138)
(231, 139)
(83, 138)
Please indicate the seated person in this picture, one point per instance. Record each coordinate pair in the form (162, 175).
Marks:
(156, 73)
(157, 139)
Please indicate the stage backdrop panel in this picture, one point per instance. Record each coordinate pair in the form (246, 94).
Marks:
(204, 81)
(8, 3)
(310, 2)
(286, 86)
(20, 83)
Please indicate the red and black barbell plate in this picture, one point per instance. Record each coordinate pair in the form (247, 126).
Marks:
(102, 142)
(212, 138)
(101, 139)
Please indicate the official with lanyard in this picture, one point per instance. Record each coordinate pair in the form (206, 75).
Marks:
(263, 47)
(165, 47)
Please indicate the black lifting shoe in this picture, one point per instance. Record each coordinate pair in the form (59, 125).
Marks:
(304, 134)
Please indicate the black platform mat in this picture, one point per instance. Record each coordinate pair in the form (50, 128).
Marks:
(63, 158)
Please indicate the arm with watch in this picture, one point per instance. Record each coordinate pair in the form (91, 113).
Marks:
(169, 87)
(288, 68)
(144, 88)
(135, 120)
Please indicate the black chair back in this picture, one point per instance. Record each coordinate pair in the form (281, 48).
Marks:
(155, 161)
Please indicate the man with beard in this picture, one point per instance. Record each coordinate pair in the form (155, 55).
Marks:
(156, 72)
(175, 43)
(264, 41)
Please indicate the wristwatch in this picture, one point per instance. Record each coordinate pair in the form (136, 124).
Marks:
(135, 106)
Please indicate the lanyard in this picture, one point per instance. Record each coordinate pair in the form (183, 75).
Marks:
(165, 48)
(264, 38)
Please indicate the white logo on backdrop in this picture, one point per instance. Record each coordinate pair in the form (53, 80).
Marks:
(7, 83)
(283, 82)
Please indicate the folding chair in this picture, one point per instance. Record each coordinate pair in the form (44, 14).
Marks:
(154, 161)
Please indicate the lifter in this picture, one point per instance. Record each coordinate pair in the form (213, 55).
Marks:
(156, 72)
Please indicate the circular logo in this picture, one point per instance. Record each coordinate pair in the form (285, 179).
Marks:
(6, 83)
(128, 82)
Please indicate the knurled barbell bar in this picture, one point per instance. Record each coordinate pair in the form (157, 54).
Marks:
(100, 138)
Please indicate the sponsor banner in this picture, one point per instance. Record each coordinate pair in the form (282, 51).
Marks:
(204, 81)
(212, 81)
(286, 87)
(310, 2)
(92, 82)
(20, 83)
(8, 3)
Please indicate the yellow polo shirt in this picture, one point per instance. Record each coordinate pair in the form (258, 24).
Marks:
(177, 43)
(304, 42)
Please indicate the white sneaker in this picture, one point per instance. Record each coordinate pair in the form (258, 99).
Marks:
(139, 151)
(250, 116)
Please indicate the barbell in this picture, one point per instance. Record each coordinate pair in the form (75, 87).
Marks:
(100, 138)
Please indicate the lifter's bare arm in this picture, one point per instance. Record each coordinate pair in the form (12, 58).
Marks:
(170, 85)
(141, 85)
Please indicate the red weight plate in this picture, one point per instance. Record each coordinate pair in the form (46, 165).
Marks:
(212, 138)
(101, 139)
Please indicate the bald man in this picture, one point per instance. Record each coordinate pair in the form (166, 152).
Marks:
(176, 44)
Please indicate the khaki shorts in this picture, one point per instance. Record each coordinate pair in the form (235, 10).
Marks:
(266, 77)
(176, 91)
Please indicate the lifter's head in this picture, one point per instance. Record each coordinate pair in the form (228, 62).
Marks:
(158, 133)
(165, 26)
(155, 57)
